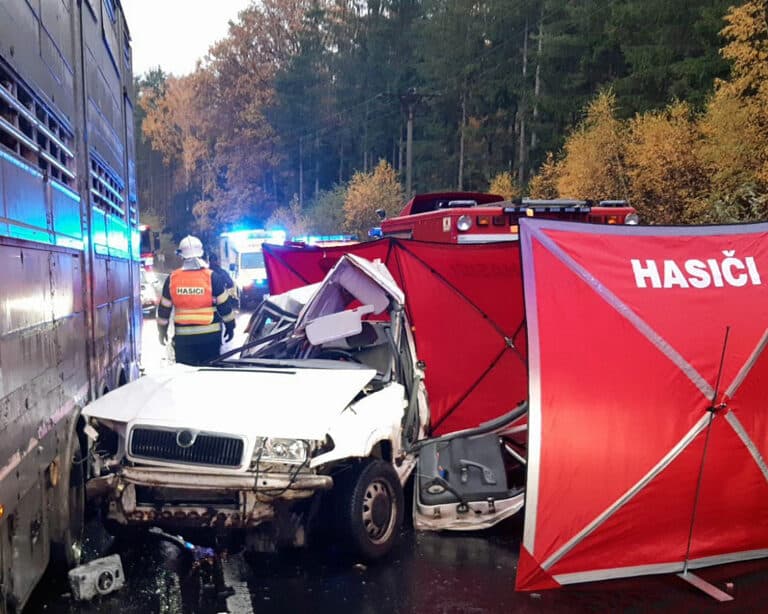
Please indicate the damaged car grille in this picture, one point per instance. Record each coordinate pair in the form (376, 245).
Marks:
(183, 447)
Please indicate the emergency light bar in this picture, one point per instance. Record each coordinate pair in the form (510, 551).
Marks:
(266, 236)
(313, 239)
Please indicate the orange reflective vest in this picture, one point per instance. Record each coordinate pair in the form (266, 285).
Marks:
(192, 297)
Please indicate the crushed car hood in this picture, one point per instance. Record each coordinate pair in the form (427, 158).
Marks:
(247, 401)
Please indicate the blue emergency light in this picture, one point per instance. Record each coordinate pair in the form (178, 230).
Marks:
(267, 236)
(315, 239)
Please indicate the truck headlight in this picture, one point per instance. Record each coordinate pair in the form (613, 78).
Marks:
(464, 223)
(281, 450)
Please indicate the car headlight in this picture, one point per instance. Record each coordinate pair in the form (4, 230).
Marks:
(632, 219)
(281, 450)
(464, 223)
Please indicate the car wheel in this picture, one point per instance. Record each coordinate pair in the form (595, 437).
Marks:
(372, 509)
(66, 552)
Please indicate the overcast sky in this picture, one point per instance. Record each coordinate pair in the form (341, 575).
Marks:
(174, 34)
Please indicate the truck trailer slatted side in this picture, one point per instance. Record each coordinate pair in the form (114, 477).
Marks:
(69, 307)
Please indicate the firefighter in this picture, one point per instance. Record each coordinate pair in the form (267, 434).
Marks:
(200, 303)
(213, 262)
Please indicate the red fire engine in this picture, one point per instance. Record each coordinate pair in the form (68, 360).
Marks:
(474, 217)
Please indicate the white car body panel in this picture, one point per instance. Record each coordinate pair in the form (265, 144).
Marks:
(361, 426)
(295, 403)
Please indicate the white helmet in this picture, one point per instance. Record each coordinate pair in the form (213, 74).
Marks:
(190, 247)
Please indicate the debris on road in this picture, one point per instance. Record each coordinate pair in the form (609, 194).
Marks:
(99, 577)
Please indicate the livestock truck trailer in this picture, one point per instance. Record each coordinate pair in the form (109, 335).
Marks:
(69, 266)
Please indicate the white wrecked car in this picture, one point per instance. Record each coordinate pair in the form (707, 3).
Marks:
(325, 399)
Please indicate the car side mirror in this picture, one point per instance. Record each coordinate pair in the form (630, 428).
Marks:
(421, 365)
(233, 267)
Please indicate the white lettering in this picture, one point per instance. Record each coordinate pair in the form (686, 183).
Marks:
(649, 272)
(753, 274)
(673, 276)
(699, 274)
(729, 264)
(186, 291)
(716, 275)
(695, 273)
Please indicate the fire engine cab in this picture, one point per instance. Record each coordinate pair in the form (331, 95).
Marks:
(474, 217)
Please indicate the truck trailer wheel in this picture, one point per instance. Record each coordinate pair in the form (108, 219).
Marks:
(372, 509)
(66, 551)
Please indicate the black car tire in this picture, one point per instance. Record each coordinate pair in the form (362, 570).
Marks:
(372, 509)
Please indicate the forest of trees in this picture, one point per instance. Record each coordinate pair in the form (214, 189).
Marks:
(298, 116)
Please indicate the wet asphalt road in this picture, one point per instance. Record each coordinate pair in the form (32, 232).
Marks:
(427, 573)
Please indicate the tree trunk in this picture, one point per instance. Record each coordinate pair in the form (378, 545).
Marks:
(522, 149)
(365, 140)
(537, 81)
(462, 132)
(301, 173)
(409, 154)
(274, 184)
(317, 164)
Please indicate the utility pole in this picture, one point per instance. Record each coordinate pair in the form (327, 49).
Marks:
(409, 101)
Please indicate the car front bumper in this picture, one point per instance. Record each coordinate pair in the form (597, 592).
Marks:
(144, 495)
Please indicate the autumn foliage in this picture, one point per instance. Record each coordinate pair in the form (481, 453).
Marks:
(544, 183)
(593, 165)
(301, 96)
(368, 192)
(673, 165)
(667, 182)
(211, 126)
(504, 185)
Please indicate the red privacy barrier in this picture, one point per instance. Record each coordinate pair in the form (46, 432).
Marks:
(648, 425)
(466, 308)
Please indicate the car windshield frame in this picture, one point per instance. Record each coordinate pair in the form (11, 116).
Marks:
(287, 342)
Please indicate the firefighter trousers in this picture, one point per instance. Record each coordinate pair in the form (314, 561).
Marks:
(197, 350)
